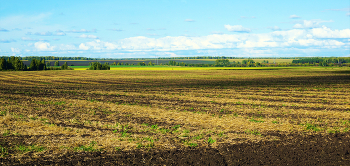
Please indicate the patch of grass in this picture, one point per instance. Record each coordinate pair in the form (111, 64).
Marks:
(193, 145)
(335, 130)
(164, 130)
(147, 145)
(3, 113)
(89, 148)
(256, 121)
(211, 140)
(3, 151)
(60, 103)
(7, 133)
(30, 148)
(309, 126)
(254, 132)
(221, 134)
(154, 126)
(198, 137)
(176, 127)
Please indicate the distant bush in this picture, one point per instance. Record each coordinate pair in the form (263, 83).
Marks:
(99, 66)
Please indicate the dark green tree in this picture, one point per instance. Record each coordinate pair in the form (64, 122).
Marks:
(57, 63)
(33, 65)
(3, 64)
(222, 62)
(64, 66)
(141, 64)
(18, 64)
(9, 63)
(105, 66)
(41, 65)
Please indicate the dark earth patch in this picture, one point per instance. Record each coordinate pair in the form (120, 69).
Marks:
(293, 149)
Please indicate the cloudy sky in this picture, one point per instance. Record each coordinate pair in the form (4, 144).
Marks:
(168, 28)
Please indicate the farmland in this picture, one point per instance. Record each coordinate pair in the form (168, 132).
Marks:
(160, 61)
(178, 117)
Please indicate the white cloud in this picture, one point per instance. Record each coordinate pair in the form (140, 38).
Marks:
(31, 39)
(189, 20)
(171, 54)
(294, 16)
(81, 31)
(15, 50)
(309, 24)
(314, 38)
(43, 46)
(325, 32)
(115, 29)
(82, 46)
(60, 34)
(88, 36)
(237, 28)
(298, 26)
(216, 32)
(67, 47)
(43, 33)
(276, 39)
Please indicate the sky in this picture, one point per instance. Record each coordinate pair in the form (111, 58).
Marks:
(174, 28)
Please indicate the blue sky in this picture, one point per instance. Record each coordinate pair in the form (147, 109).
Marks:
(173, 28)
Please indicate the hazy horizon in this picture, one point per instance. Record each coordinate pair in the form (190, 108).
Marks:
(145, 29)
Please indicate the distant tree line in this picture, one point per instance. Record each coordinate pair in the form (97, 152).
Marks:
(15, 64)
(265, 63)
(331, 61)
(221, 63)
(12, 63)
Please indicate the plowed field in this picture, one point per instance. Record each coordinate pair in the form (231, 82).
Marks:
(172, 117)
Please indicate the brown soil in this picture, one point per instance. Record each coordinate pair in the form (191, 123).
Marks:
(293, 149)
(306, 141)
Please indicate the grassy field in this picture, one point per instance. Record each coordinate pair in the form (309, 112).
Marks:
(134, 115)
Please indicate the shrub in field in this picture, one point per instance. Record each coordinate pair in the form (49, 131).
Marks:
(222, 62)
(37, 65)
(64, 66)
(99, 66)
(141, 64)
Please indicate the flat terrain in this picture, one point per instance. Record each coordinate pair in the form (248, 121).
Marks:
(163, 61)
(295, 116)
